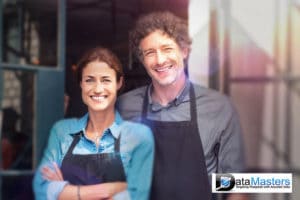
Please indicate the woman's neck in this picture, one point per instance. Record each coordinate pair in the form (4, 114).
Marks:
(99, 121)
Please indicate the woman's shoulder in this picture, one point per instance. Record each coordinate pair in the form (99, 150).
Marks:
(68, 126)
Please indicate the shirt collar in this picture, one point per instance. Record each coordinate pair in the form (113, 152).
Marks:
(114, 128)
(181, 97)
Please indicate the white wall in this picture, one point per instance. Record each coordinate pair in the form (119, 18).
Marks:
(259, 47)
(198, 29)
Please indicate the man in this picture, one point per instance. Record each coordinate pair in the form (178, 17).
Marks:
(196, 130)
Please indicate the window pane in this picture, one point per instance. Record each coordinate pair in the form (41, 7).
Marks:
(30, 32)
(17, 120)
(295, 49)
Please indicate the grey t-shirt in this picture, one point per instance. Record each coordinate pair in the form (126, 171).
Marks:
(218, 123)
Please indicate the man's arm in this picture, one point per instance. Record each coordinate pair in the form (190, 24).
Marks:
(231, 153)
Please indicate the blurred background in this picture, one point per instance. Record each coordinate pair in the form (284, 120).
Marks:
(249, 50)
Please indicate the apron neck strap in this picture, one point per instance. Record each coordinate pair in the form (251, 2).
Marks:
(117, 144)
(76, 139)
(145, 104)
(193, 105)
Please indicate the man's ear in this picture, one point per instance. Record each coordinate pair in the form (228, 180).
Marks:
(185, 52)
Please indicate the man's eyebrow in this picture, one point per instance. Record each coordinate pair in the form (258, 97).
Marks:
(167, 45)
(150, 49)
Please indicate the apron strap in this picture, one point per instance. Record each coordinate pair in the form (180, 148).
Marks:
(117, 144)
(193, 105)
(76, 139)
(145, 105)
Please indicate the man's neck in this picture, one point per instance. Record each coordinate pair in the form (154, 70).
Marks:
(165, 94)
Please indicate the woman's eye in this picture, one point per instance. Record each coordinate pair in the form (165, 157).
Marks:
(88, 80)
(106, 80)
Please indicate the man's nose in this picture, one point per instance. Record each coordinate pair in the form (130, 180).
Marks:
(161, 57)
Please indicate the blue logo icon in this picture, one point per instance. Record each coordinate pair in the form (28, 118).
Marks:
(224, 182)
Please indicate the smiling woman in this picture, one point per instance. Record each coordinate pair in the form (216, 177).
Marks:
(99, 155)
(99, 86)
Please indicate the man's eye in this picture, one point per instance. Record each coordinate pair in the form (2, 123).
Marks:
(149, 53)
(168, 49)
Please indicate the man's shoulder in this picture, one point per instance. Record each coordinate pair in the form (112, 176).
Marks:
(133, 94)
(201, 91)
(212, 98)
(130, 104)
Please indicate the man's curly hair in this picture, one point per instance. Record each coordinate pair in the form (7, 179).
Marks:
(175, 27)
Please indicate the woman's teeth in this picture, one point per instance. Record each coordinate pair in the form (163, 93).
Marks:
(98, 98)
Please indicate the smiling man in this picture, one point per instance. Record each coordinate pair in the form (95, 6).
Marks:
(196, 129)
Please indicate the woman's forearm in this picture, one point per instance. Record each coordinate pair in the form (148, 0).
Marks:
(90, 192)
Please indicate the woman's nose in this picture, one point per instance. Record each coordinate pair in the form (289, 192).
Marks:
(99, 87)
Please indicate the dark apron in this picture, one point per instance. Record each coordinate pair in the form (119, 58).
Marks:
(92, 168)
(179, 169)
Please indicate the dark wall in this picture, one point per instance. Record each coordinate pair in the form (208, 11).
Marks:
(107, 23)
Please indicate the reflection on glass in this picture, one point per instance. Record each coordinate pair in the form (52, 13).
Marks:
(17, 120)
(295, 46)
(30, 33)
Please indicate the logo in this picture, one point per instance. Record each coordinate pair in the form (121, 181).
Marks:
(252, 183)
(224, 182)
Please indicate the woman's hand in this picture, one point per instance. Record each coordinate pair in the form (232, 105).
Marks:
(52, 174)
(103, 191)
(112, 188)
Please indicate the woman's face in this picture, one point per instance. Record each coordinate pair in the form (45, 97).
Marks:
(99, 86)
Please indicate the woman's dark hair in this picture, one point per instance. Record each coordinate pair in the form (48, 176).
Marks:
(102, 55)
(175, 27)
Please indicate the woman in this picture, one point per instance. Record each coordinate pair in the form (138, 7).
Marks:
(99, 155)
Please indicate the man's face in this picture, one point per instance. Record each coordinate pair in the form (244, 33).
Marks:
(162, 58)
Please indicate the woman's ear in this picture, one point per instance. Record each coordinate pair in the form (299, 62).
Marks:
(120, 83)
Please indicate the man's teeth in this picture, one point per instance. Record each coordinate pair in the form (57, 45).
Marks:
(162, 69)
(99, 98)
